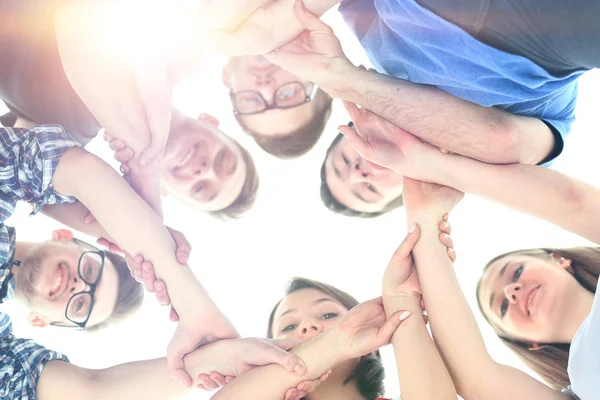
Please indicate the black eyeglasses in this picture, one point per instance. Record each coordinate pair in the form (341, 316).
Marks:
(80, 305)
(289, 95)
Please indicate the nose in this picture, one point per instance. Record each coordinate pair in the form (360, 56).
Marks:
(202, 167)
(78, 285)
(310, 329)
(359, 170)
(514, 292)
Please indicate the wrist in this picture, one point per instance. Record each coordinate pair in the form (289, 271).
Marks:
(339, 77)
(402, 302)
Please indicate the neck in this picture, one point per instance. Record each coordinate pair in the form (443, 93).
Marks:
(582, 306)
(334, 389)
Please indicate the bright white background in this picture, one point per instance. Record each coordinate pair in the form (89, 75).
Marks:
(245, 264)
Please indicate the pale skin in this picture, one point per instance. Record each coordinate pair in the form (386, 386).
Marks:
(484, 133)
(147, 236)
(475, 374)
(61, 380)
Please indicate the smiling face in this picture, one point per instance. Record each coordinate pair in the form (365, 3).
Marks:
(527, 296)
(255, 73)
(202, 165)
(48, 277)
(305, 314)
(359, 184)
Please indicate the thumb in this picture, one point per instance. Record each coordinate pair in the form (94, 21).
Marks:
(355, 140)
(89, 218)
(407, 245)
(179, 346)
(272, 354)
(308, 20)
(389, 328)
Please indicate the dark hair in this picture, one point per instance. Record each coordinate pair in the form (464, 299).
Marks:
(369, 373)
(247, 196)
(550, 360)
(335, 205)
(298, 142)
(129, 296)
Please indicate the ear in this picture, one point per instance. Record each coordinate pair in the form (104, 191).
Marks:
(62, 234)
(37, 320)
(225, 76)
(209, 119)
(564, 262)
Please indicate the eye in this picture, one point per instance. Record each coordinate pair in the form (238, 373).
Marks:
(289, 328)
(79, 305)
(330, 315)
(346, 159)
(517, 273)
(88, 271)
(504, 308)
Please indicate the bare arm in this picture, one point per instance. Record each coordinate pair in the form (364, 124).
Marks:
(421, 370)
(457, 335)
(547, 194)
(484, 133)
(73, 216)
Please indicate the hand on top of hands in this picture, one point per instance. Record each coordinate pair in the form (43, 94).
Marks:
(379, 141)
(432, 198)
(316, 55)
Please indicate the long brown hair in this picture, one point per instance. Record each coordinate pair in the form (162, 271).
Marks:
(550, 360)
(369, 373)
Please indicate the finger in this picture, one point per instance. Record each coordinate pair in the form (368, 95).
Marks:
(125, 169)
(179, 346)
(292, 394)
(445, 217)
(115, 249)
(272, 354)
(149, 277)
(387, 330)
(117, 145)
(138, 275)
(308, 19)
(325, 376)
(160, 290)
(173, 316)
(218, 378)
(89, 218)
(452, 254)
(124, 155)
(183, 246)
(108, 138)
(446, 240)
(445, 227)
(208, 383)
(229, 379)
(103, 242)
(308, 386)
(403, 251)
(354, 138)
(139, 259)
(353, 110)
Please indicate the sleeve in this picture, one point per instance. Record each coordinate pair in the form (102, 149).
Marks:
(21, 363)
(30, 159)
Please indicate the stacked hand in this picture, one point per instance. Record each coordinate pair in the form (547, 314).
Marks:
(436, 200)
(378, 140)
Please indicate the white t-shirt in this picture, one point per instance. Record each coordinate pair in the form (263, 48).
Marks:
(584, 357)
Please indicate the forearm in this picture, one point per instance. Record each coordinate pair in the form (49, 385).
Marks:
(132, 223)
(271, 382)
(567, 202)
(452, 323)
(73, 215)
(147, 380)
(484, 133)
(421, 370)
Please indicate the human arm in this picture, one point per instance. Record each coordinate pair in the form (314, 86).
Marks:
(138, 230)
(485, 133)
(457, 336)
(74, 216)
(360, 331)
(421, 371)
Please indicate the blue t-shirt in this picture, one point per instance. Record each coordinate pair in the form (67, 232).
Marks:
(408, 41)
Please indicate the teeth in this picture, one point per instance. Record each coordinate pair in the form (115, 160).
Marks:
(58, 281)
(530, 299)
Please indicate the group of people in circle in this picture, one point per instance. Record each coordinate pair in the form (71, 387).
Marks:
(466, 96)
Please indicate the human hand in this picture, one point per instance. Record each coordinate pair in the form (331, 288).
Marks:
(316, 55)
(365, 328)
(192, 334)
(304, 388)
(445, 238)
(378, 140)
(400, 278)
(421, 197)
(123, 153)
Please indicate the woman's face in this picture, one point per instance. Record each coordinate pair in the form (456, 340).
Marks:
(306, 314)
(527, 297)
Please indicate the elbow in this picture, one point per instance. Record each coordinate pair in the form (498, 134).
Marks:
(508, 141)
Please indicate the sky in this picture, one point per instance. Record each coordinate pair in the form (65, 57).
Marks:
(245, 264)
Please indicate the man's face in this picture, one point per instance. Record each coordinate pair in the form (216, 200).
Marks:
(48, 277)
(203, 166)
(358, 184)
(257, 74)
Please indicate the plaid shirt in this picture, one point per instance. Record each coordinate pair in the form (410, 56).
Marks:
(28, 160)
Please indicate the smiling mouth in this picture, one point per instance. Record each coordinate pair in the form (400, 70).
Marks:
(60, 281)
(188, 156)
(530, 299)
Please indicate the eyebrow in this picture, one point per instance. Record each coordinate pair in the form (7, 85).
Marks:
(319, 301)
